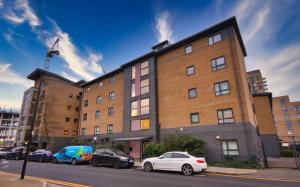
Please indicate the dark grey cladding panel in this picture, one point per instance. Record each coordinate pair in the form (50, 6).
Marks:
(153, 102)
(243, 133)
(56, 143)
(271, 145)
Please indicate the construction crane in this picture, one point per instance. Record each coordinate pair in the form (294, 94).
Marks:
(50, 53)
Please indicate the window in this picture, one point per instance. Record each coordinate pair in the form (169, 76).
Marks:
(74, 133)
(144, 86)
(179, 155)
(67, 119)
(112, 80)
(230, 147)
(100, 85)
(188, 49)
(109, 129)
(111, 95)
(133, 71)
(98, 100)
(69, 107)
(71, 95)
(214, 39)
(145, 124)
(288, 124)
(110, 111)
(297, 108)
(218, 63)
(97, 114)
(145, 106)
(78, 97)
(134, 108)
(222, 88)
(77, 109)
(86, 103)
(194, 117)
(225, 116)
(97, 130)
(133, 90)
(84, 117)
(75, 120)
(167, 155)
(192, 92)
(83, 131)
(135, 125)
(66, 132)
(284, 109)
(298, 115)
(144, 68)
(190, 70)
(286, 116)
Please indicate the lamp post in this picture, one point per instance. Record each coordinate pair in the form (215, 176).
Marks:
(94, 143)
(295, 154)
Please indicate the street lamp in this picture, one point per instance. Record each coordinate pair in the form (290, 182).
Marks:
(295, 154)
(94, 144)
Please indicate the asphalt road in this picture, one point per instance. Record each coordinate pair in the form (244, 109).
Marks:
(103, 176)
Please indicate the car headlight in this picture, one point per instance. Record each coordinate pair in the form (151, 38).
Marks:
(123, 158)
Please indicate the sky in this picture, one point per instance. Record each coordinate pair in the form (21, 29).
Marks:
(97, 37)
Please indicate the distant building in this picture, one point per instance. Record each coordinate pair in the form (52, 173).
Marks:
(9, 122)
(266, 124)
(257, 82)
(287, 119)
(26, 115)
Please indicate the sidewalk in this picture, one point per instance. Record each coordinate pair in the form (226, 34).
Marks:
(13, 180)
(278, 173)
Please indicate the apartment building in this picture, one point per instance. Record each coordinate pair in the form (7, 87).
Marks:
(257, 82)
(196, 86)
(287, 119)
(9, 122)
(26, 115)
(266, 124)
(57, 118)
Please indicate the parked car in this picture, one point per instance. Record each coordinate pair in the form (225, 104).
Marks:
(112, 157)
(15, 153)
(41, 155)
(175, 161)
(74, 154)
(3, 151)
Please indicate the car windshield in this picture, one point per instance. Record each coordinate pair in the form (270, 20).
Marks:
(16, 149)
(118, 152)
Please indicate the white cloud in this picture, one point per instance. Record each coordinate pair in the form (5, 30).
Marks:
(1, 3)
(163, 28)
(9, 104)
(8, 37)
(80, 65)
(7, 75)
(21, 12)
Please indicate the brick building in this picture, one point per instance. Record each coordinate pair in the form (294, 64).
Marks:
(196, 86)
(257, 82)
(287, 119)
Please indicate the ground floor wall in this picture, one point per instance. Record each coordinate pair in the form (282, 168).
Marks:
(54, 144)
(271, 145)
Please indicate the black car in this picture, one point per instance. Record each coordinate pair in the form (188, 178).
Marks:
(15, 153)
(3, 152)
(112, 157)
(40, 155)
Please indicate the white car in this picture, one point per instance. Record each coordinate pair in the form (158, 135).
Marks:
(175, 161)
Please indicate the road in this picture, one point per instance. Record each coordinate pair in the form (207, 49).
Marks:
(103, 176)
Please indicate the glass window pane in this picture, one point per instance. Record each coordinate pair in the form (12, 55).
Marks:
(145, 110)
(220, 61)
(135, 125)
(134, 112)
(145, 102)
(133, 72)
(233, 153)
(133, 90)
(134, 104)
(210, 41)
(217, 38)
(145, 71)
(227, 113)
(145, 124)
(145, 90)
(224, 145)
(232, 145)
(192, 93)
(195, 118)
(145, 83)
(144, 65)
(188, 49)
(224, 86)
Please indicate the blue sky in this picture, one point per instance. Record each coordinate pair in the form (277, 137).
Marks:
(99, 36)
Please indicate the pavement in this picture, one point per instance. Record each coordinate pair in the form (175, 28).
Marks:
(87, 175)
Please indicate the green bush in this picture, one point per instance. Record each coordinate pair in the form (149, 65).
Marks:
(233, 162)
(153, 150)
(287, 153)
(192, 145)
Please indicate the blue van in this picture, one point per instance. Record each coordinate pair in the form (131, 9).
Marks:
(74, 154)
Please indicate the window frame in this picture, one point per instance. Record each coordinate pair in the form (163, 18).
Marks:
(98, 131)
(112, 79)
(144, 129)
(98, 100)
(83, 130)
(111, 95)
(86, 103)
(221, 91)
(84, 116)
(217, 67)
(186, 47)
(135, 108)
(147, 67)
(110, 111)
(99, 114)
(145, 86)
(190, 89)
(109, 131)
(212, 37)
(187, 68)
(191, 117)
(233, 121)
(146, 106)
(68, 119)
(228, 150)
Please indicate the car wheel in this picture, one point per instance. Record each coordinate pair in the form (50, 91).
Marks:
(54, 160)
(187, 169)
(116, 164)
(74, 161)
(147, 167)
(94, 163)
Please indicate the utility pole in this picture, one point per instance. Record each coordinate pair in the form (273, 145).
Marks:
(50, 53)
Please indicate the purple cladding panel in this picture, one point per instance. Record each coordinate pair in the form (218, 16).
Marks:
(137, 79)
(135, 125)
